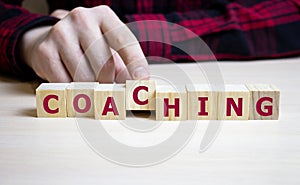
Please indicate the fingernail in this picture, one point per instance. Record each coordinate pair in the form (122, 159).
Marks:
(140, 73)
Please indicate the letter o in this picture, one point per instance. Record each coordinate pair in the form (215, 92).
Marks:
(87, 103)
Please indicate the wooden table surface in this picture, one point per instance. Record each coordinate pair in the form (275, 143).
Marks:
(52, 151)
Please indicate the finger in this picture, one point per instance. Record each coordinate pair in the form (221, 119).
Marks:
(59, 75)
(100, 58)
(49, 65)
(107, 73)
(130, 51)
(71, 54)
(60, 13)
(93, 44)
(120, 38)
(121, 72)
(55, 72)
(76, 63)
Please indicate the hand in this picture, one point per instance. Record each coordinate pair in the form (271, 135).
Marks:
(80, 46)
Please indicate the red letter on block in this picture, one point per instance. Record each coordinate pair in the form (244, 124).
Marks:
(268, 108)
(203, 101)
(46, 104)
(238, 109)
(87, 103)
(135, 95)
(110, 106)
(167, 107)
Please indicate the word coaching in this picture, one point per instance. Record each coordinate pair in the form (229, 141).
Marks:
(193, 102)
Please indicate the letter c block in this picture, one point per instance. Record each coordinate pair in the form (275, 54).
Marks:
(140, 94)
(51, 100)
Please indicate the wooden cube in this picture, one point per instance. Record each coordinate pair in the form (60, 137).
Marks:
(110, 102)
(51, 100)
(202, 102)
(264, 102)
(80, 99)
(140, 94)
(233, 102)
(171, 104)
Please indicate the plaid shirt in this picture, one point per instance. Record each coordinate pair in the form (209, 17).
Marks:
(233, 29)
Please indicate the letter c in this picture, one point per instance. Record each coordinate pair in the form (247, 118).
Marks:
(135, 95)
(46, 104)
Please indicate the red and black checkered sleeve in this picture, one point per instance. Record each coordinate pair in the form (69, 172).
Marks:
(233, 30)
(14, 21)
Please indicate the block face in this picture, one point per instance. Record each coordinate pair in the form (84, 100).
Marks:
(202, 102)
(140, 94)
(233, 102)
(171, 104)
(51, 100)
(80, 99)
(264, 102)
(110, 102)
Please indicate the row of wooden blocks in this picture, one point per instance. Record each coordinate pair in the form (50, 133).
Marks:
(193, 102)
